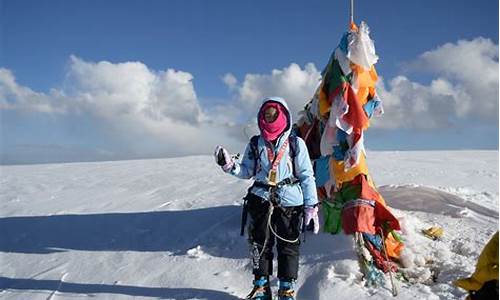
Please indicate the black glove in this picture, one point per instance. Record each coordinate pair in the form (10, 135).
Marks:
(221, 159)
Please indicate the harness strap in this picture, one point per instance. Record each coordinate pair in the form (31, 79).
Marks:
(286, 181)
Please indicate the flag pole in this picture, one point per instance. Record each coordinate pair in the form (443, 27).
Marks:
(351, 13)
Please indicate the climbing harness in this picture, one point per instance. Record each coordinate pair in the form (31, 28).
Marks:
(273, 203)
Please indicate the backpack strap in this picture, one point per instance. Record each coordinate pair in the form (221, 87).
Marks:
(254, 142)
(293, 142)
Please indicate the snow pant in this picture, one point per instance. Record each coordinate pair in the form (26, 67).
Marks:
(287, 223)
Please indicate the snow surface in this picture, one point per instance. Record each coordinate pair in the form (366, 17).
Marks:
(169, 229)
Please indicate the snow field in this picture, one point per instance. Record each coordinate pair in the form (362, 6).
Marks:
(169, 229)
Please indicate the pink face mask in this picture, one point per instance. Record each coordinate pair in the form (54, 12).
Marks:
(270, 131)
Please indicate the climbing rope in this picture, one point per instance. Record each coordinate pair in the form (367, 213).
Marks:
(272, 230)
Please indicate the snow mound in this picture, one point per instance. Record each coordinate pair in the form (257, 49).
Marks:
(426, 199)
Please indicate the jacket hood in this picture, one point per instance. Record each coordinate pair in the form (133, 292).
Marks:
(283, 103)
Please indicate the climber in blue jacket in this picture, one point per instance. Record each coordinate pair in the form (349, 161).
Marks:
(284, 190)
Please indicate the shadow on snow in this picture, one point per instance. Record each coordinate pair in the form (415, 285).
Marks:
(89, 289)
(215, 228)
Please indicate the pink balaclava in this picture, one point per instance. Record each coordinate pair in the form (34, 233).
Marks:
(271, 131)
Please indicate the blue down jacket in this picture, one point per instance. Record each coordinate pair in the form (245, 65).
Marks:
(303, 193)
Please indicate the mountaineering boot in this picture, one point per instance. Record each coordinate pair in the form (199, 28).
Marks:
(261, 289)
(286, 290)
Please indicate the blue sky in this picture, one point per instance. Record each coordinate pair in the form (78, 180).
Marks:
(77, 52)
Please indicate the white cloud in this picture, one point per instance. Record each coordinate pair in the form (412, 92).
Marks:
(16, 97)
(409, 104)
(157, 112)
(465, 89)
(230, 80)
(294, 84)
(131, 89)
(154, 113)
(473, 66)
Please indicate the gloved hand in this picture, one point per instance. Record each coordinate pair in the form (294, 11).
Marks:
(223, 159)
(311, 214)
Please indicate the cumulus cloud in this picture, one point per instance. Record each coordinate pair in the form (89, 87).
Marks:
(294, 84)
(154, 113)
(412, 105)
(16, 97)
(465, 88)
(131, 89)
(230, 80)
(473, 67)
(160, 110)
